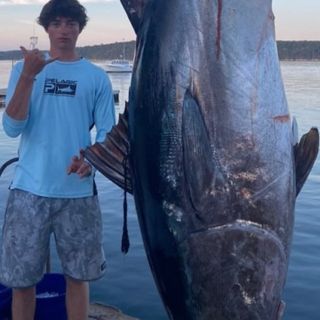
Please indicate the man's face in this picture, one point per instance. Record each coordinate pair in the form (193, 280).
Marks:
(63, 33)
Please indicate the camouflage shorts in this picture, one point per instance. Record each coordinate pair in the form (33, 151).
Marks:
(28, 223)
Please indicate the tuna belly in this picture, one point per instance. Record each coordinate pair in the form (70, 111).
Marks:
(234, 271)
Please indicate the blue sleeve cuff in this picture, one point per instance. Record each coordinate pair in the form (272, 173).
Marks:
(12, 127)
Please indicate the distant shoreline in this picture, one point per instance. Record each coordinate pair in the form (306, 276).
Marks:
(300, 60)
(287, 50)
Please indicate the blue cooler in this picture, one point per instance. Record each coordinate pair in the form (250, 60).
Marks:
(5, 302)
(50, 298)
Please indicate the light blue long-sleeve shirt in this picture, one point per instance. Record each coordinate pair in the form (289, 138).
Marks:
(66, 100)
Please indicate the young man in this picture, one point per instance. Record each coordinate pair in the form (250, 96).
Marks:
(52, 102)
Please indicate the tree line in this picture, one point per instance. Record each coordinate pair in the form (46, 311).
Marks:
(299, 50)
(287, 50)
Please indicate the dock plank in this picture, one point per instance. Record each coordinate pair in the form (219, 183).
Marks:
(98, 311)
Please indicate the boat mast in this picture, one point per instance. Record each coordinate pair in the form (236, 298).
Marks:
(33, 40)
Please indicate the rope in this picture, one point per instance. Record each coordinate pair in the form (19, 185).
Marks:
(7, 163)
(125, 244)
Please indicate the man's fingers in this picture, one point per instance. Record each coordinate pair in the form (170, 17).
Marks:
(23, 50)
(70, 169)
(74, 166)
(84, 170)
(37, 52)
(79, 166)
(51, 60)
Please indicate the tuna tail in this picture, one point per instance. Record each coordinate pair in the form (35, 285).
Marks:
(110, 157)
(135, 10)
(305, 153)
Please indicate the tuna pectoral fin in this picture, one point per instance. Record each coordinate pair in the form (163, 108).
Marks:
(201, 172)
(110, 157)
(135, 10)
(305, 153)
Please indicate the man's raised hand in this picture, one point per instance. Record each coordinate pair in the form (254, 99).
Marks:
(34, 62)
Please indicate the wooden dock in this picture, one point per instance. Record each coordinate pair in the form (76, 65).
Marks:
(99, 311)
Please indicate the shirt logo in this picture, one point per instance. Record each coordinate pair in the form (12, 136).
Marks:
(61, 88)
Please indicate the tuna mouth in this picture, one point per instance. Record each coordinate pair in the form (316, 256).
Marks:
(239, 223)
(245, 226)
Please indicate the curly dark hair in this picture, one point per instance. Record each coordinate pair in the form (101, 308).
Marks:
(63, 8)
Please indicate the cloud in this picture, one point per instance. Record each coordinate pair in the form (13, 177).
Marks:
(20, 2)
(30, 2)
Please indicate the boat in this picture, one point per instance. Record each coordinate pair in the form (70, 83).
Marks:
(119, 65)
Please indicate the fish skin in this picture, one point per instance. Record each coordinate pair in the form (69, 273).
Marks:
(211, 156)
(205, 178)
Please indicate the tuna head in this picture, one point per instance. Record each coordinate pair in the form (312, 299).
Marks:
(211, 156)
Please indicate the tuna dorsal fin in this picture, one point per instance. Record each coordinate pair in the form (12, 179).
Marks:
(111, 156)
(135, 10)
(305, 153)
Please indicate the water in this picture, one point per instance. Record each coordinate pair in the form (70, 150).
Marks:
(302, 292)
(5, 68)
(128, 283)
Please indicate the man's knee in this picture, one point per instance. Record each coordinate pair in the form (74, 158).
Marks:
(74, 284)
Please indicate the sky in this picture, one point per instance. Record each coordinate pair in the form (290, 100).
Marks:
(295, 20)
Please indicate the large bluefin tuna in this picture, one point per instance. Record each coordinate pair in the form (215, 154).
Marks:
(212, 156)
